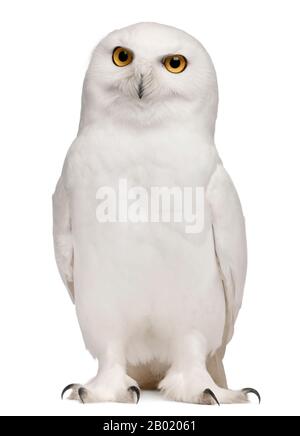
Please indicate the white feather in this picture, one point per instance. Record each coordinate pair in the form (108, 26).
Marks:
(150, 298)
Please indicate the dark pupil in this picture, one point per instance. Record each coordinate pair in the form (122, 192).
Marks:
(175, 62)
(123, 56)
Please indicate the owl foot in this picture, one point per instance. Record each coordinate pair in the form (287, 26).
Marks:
(92, 393)
(198, 388)
(226, 396)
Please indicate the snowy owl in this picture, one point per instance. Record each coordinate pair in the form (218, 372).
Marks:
(156, 293)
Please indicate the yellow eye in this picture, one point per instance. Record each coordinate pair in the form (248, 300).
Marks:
(122, 56)
(175, 63)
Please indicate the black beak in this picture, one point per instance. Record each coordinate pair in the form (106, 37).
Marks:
(140, 90)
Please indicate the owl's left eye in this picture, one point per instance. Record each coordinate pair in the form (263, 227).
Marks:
(175, 63)
(122, 56)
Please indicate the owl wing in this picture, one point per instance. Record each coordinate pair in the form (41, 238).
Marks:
(228, 227)
(62, 235)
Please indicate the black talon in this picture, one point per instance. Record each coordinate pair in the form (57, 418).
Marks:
(71, 386)
(252, 391)
(82, 392)
(210, 393)
(136, 390)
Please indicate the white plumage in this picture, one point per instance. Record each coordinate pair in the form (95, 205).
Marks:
(156, 305)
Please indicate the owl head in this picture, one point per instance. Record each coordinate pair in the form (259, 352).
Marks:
(150, 73)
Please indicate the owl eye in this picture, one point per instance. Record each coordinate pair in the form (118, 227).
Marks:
(175, 63)
(122, 56)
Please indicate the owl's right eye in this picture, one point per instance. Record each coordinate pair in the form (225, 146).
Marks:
(122, 56)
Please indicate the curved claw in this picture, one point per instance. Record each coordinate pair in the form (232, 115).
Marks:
(252, 391)
(82, 393)
(71, 386)
(137, 392)
(211, 394)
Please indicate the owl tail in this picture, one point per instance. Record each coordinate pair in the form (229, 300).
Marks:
(216, 369)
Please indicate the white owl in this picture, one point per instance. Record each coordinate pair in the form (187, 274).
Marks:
(156, 304)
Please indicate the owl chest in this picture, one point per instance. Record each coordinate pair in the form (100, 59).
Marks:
(147, 160)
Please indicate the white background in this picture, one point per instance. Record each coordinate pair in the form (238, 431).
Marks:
(45, 47)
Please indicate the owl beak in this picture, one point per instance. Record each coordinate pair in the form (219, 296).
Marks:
(143, 80)
(140, 90)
